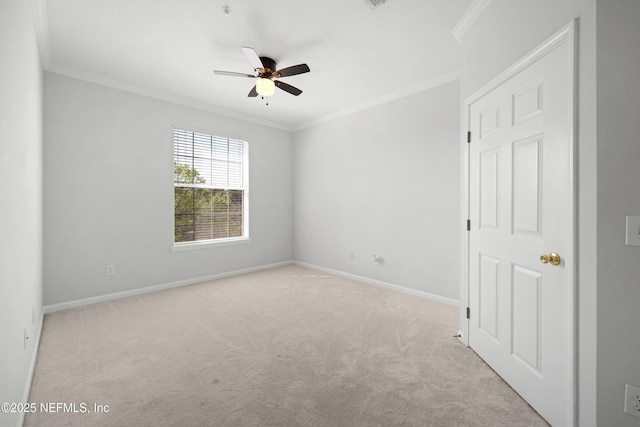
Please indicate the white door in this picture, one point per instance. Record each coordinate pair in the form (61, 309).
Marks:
(520, 202)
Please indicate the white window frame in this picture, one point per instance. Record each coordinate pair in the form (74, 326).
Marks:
(203, 244)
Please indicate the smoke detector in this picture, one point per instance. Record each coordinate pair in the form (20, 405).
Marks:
(376, 3)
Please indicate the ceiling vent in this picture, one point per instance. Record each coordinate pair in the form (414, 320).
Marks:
(376, 3)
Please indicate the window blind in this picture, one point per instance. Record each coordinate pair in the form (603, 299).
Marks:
(210, 188)
(218, 161)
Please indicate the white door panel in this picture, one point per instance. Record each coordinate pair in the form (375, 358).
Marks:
(519, 206)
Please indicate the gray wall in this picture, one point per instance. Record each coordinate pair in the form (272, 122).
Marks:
(108, 192)
(20, 199)
(384, 181)
(618, 196)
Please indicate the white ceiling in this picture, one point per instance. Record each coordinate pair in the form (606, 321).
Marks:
(359, 55)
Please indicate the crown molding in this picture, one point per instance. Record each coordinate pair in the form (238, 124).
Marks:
(160, 95)
(392, 96)
(469, 16)
(187, 102)
(42, 31)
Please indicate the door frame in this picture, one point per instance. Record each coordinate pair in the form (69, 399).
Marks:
(565, 35)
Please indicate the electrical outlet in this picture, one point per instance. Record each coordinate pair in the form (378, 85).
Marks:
(633, 231)
(352, 256)
(111, 270)
(632, 400)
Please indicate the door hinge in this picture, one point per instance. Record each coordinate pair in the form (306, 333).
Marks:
(469, 137)
(468, 313)
(468, 225)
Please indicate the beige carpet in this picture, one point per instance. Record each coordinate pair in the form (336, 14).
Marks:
(283, 347)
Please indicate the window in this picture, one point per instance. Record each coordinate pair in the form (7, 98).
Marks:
(210, 187)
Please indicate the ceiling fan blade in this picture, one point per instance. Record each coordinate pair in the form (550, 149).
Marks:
(253, 93)
(253, 57)
(293, 70)
(288, 88)
(233, 74)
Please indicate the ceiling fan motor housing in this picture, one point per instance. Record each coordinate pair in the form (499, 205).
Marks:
(269, 64)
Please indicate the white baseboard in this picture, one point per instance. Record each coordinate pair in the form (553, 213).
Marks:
(32, 366)
(415, 292)
(133, 292)
(52, 308)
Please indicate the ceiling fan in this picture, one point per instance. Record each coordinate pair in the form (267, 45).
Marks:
(266, 73)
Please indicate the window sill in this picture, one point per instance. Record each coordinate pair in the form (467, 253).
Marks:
(207, 244)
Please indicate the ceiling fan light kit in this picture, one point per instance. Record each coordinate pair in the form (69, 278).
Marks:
(265, 87)
(267, 74)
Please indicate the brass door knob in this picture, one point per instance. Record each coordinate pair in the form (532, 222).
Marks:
(553, 259)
